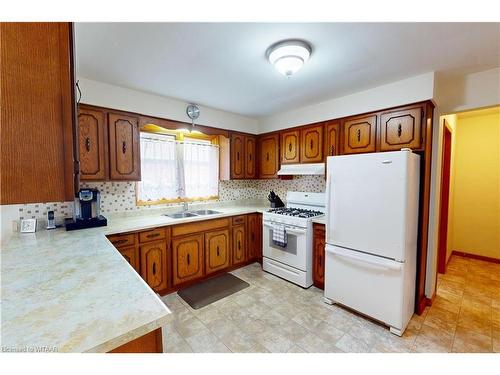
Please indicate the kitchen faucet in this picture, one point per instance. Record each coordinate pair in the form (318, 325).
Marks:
(185, 206)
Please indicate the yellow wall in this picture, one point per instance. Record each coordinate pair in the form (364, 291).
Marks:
(474, 221)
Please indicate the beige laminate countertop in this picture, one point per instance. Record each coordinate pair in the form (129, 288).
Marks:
(74, 292)
(319, 220)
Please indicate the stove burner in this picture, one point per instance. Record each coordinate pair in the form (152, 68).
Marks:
(297, 212)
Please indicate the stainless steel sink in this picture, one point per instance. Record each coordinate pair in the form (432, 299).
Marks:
(179, 215)
(206, 212)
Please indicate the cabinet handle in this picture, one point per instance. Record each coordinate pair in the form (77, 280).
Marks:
(238, 156)
(359, 135)
(253, 237)
(239, 245)
(311, 144)
(87, 144)
(153, 235)
(290, 146)
(187, 259)
(119, 242)
(332, 152)
(124, 147)
(217, 250)
(154, 268)
(267, 156)
(400, 130)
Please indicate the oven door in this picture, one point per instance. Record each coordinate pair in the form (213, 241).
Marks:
(294, 253)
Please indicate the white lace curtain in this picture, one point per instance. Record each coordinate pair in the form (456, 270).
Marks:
(171, 169)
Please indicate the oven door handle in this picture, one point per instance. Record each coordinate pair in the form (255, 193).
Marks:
(288, 229)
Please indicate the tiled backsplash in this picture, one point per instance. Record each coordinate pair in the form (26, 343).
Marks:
(120, 196)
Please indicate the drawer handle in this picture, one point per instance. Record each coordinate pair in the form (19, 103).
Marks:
(118, 242)
(154, 268)
(87, 144)
(290, 147)
(217, 250)
(188, 259)
(267, 156)
(311, 144)
(153, 235)
(124, 147)
(359, 135)
(400, 130)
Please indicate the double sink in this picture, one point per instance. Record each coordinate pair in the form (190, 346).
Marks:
(183, 214)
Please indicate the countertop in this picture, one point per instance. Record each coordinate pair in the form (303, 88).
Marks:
(74, 292)
(320, 220)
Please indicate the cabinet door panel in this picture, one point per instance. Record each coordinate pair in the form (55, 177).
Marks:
(91, 144)
(290, 147)
(216, 250)
(187, 258)
(359, 134)
(250, 157)
(154, 265)
(237, 156)
(124, 155)
(332, 135)
(254, 237)
(131, 255)
(311, 144)
(239, 244)
(319, 255)
(269, 156)
(401, 128)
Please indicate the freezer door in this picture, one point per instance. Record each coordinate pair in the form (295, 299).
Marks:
(366, 283)
(367, 201)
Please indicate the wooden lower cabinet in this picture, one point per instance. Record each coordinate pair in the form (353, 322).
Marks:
(319, 242)
(154, 265)
(254, 237)
(239, 244)
(131, 255)
(216, 250)
(149, 343)
(187, 258)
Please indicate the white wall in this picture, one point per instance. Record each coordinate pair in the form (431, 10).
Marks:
(410, 90)
(106, 95)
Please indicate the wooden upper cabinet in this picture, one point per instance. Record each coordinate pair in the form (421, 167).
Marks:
(37, 112)
(250, 153)
(359, 134)
(217, 244)
(269, 156)
(124, 154)
(154, 265)
(239, 244)
(311, 144)
(290, 145)
(187, 254)
(332, 136)
(237, 156)
(91, 141)
(401, 128)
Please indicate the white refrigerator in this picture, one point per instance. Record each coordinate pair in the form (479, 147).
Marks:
(371, 234)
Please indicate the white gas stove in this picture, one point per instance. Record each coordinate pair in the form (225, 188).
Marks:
(293, 260)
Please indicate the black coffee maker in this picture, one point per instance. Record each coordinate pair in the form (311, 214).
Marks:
(87, 211)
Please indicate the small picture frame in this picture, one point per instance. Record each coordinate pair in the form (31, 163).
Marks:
(28, 226)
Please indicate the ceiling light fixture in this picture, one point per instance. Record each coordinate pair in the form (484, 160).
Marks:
(288, 56)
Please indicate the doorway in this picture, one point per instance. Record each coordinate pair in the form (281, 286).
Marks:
(445, 198)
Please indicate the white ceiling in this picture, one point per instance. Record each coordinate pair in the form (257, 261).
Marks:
(223, 65)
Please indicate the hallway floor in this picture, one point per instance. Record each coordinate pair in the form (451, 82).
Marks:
(273, 315)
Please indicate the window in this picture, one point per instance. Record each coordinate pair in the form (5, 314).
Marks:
(176, 168)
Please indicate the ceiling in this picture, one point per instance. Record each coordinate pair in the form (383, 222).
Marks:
(223, 65)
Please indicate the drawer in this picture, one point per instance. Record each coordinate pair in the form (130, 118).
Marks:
(199, 226)
(152, 235)
(121, 240)
(241, 219)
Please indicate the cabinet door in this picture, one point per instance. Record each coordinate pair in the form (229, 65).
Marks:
(319, 255)
(124, 157)
(332, 135)
(239, 244)
(131, 255)
(311, 144)
(237, 156)
(250, 157)
(216, 250)
(187, 254)
(359, 134)
(254, 237)
(290, 142)
(269, 156)
(91, 144)
(401, 128)
(154, 265)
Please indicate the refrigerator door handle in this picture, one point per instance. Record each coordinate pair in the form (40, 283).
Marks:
(381, 262)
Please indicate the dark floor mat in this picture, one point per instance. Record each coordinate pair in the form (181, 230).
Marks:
(211, 290)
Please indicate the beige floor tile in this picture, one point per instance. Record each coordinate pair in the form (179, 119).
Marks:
(475, 323)
(311, 343)
(349, 344)
(327, 332)
(466, 341)
(432, 340)
(447, 301)
(441, 319)
(451, 287)
(307, 319)
(173, 342)
(340, 319)
(296, 349)
(274, 341)
(239, 342)
(390, 343)
(365, 331)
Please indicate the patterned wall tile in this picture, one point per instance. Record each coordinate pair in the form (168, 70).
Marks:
(39, 210)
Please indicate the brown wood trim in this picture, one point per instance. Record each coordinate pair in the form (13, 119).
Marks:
(475, 256)
(149, 343)
(198, 227)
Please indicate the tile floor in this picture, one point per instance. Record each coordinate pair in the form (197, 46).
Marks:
(273, 315)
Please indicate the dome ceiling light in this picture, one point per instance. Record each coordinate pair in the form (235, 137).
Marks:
(288, 56)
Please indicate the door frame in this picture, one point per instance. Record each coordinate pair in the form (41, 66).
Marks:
(444, 204)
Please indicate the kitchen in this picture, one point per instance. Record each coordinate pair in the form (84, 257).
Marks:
(182, 219)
